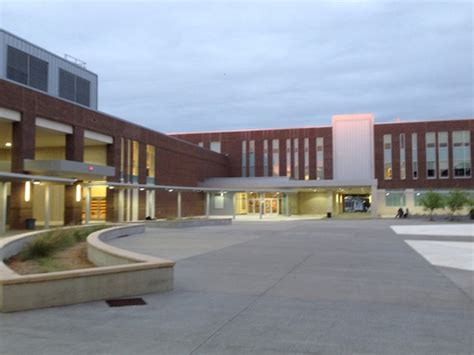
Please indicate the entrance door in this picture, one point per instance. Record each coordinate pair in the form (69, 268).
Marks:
(271, 206)
(254, 205)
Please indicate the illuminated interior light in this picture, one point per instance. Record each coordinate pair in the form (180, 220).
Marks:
(111, 187)
(36, 182)
(78, 193)
(8, 144)
(27, 191)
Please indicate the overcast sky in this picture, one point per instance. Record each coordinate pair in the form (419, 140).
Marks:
(195, 66)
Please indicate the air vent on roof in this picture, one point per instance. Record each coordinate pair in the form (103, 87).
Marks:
(74, 60)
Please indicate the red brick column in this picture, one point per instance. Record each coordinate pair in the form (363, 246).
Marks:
(75, 152)
(23, 147)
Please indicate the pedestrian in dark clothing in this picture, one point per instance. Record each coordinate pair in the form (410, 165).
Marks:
(405, 215)
(399, 213)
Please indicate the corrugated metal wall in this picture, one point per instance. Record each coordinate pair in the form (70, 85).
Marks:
(55, 63)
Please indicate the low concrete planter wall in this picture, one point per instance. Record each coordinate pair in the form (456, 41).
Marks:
(119, 273)
(187, 223)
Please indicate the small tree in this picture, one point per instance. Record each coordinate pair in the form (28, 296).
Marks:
(431, 201)
(455, 201)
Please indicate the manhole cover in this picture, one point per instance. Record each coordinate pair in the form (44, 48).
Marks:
(123, 302)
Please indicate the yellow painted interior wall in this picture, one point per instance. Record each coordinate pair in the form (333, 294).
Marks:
(312, 202)
(50, 153)
(95, 154)
(241, 204)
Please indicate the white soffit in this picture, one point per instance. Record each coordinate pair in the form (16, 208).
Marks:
(53, 125)
(10, 115)
(98, 137)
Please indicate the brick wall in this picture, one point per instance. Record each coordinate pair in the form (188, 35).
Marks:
(178, 161)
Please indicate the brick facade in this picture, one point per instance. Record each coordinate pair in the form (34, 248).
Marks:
(177, 162)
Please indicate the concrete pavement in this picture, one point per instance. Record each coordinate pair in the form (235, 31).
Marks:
(294, 287)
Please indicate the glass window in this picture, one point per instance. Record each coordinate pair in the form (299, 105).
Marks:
(387, 156)
(74, 88)
(122, 157)
(306, 158)
(216, 146)
(265, 157)
(288, 157)
(296, 173)
(276, 157)
(150, 161)
(395, 199)
(27, 69)
(251, 158)
(443, 157)
(201, 144)
(135, 157)
(430, 155)
(320, 158)
(414, 155)
(244, 158)
(403, 168)
(462, 153)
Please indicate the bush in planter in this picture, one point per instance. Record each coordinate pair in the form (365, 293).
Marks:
(455, 201)
(432, 201)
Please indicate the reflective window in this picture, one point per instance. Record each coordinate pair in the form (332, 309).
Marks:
(395, 199)
(403, 168)
(74, 88)
(320, 158)
(244, 158)
(414, 155)
(276, 157)
(296, 173)
(462, 153)
(252, 158)
(306, 158)
(430, 155)
(216, 146)
(288, 157)
(443, 164)
(265, 157)
(387, 156)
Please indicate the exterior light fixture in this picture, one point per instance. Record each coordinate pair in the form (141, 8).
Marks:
(78, 193)
(27, 191)
(142, 189)
(111, 187)
(8, 144)
(387, 194)
(170, 190)
(36, 183)
(418, 194)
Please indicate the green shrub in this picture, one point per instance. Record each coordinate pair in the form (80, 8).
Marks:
(432, 201)
(455, 201)
(46, 244)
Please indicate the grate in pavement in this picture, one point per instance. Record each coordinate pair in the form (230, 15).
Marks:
(124, 302)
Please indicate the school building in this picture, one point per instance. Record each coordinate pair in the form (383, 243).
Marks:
(62, 161)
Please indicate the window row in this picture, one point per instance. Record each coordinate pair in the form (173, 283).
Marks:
(398, 198)
(436, 153)
(292, 158)
(129, 161)
(32, 71)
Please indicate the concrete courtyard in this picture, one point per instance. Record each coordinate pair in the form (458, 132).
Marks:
(292, 287)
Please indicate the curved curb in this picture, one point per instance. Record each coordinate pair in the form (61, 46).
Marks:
(119, 273)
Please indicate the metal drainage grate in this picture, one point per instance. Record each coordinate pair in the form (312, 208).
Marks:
(124, 302)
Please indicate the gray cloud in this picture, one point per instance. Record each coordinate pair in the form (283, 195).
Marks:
(189, 66)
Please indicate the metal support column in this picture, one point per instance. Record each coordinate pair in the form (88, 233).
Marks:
(179, 204)
(88, 204)
(287, 204)
(47, 205)
(3, 207)
(233, 205)
(373, 203)
(208, 204)
(262, 202)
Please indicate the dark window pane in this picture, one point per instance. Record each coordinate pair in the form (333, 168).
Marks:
(67, 85)
(38, 73)
(82, 91)
(17, 65)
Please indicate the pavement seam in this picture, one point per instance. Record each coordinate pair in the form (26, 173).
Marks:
(251, 303)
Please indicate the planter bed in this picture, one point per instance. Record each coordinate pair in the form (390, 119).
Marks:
(188, 223)
(119, 273)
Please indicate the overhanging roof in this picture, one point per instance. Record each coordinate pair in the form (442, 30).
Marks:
(7, 176)
(68, 168)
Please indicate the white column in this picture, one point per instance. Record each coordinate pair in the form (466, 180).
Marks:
(128, 211)
(120, 205)
(261, 205)
(88, 204)
(179, 204)
(330, 203)
(278, 204)
(47, 205)
(373, 203)
(287, 204)
(208, 204)
(233, 205)
(3, 207)
(410, 199)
